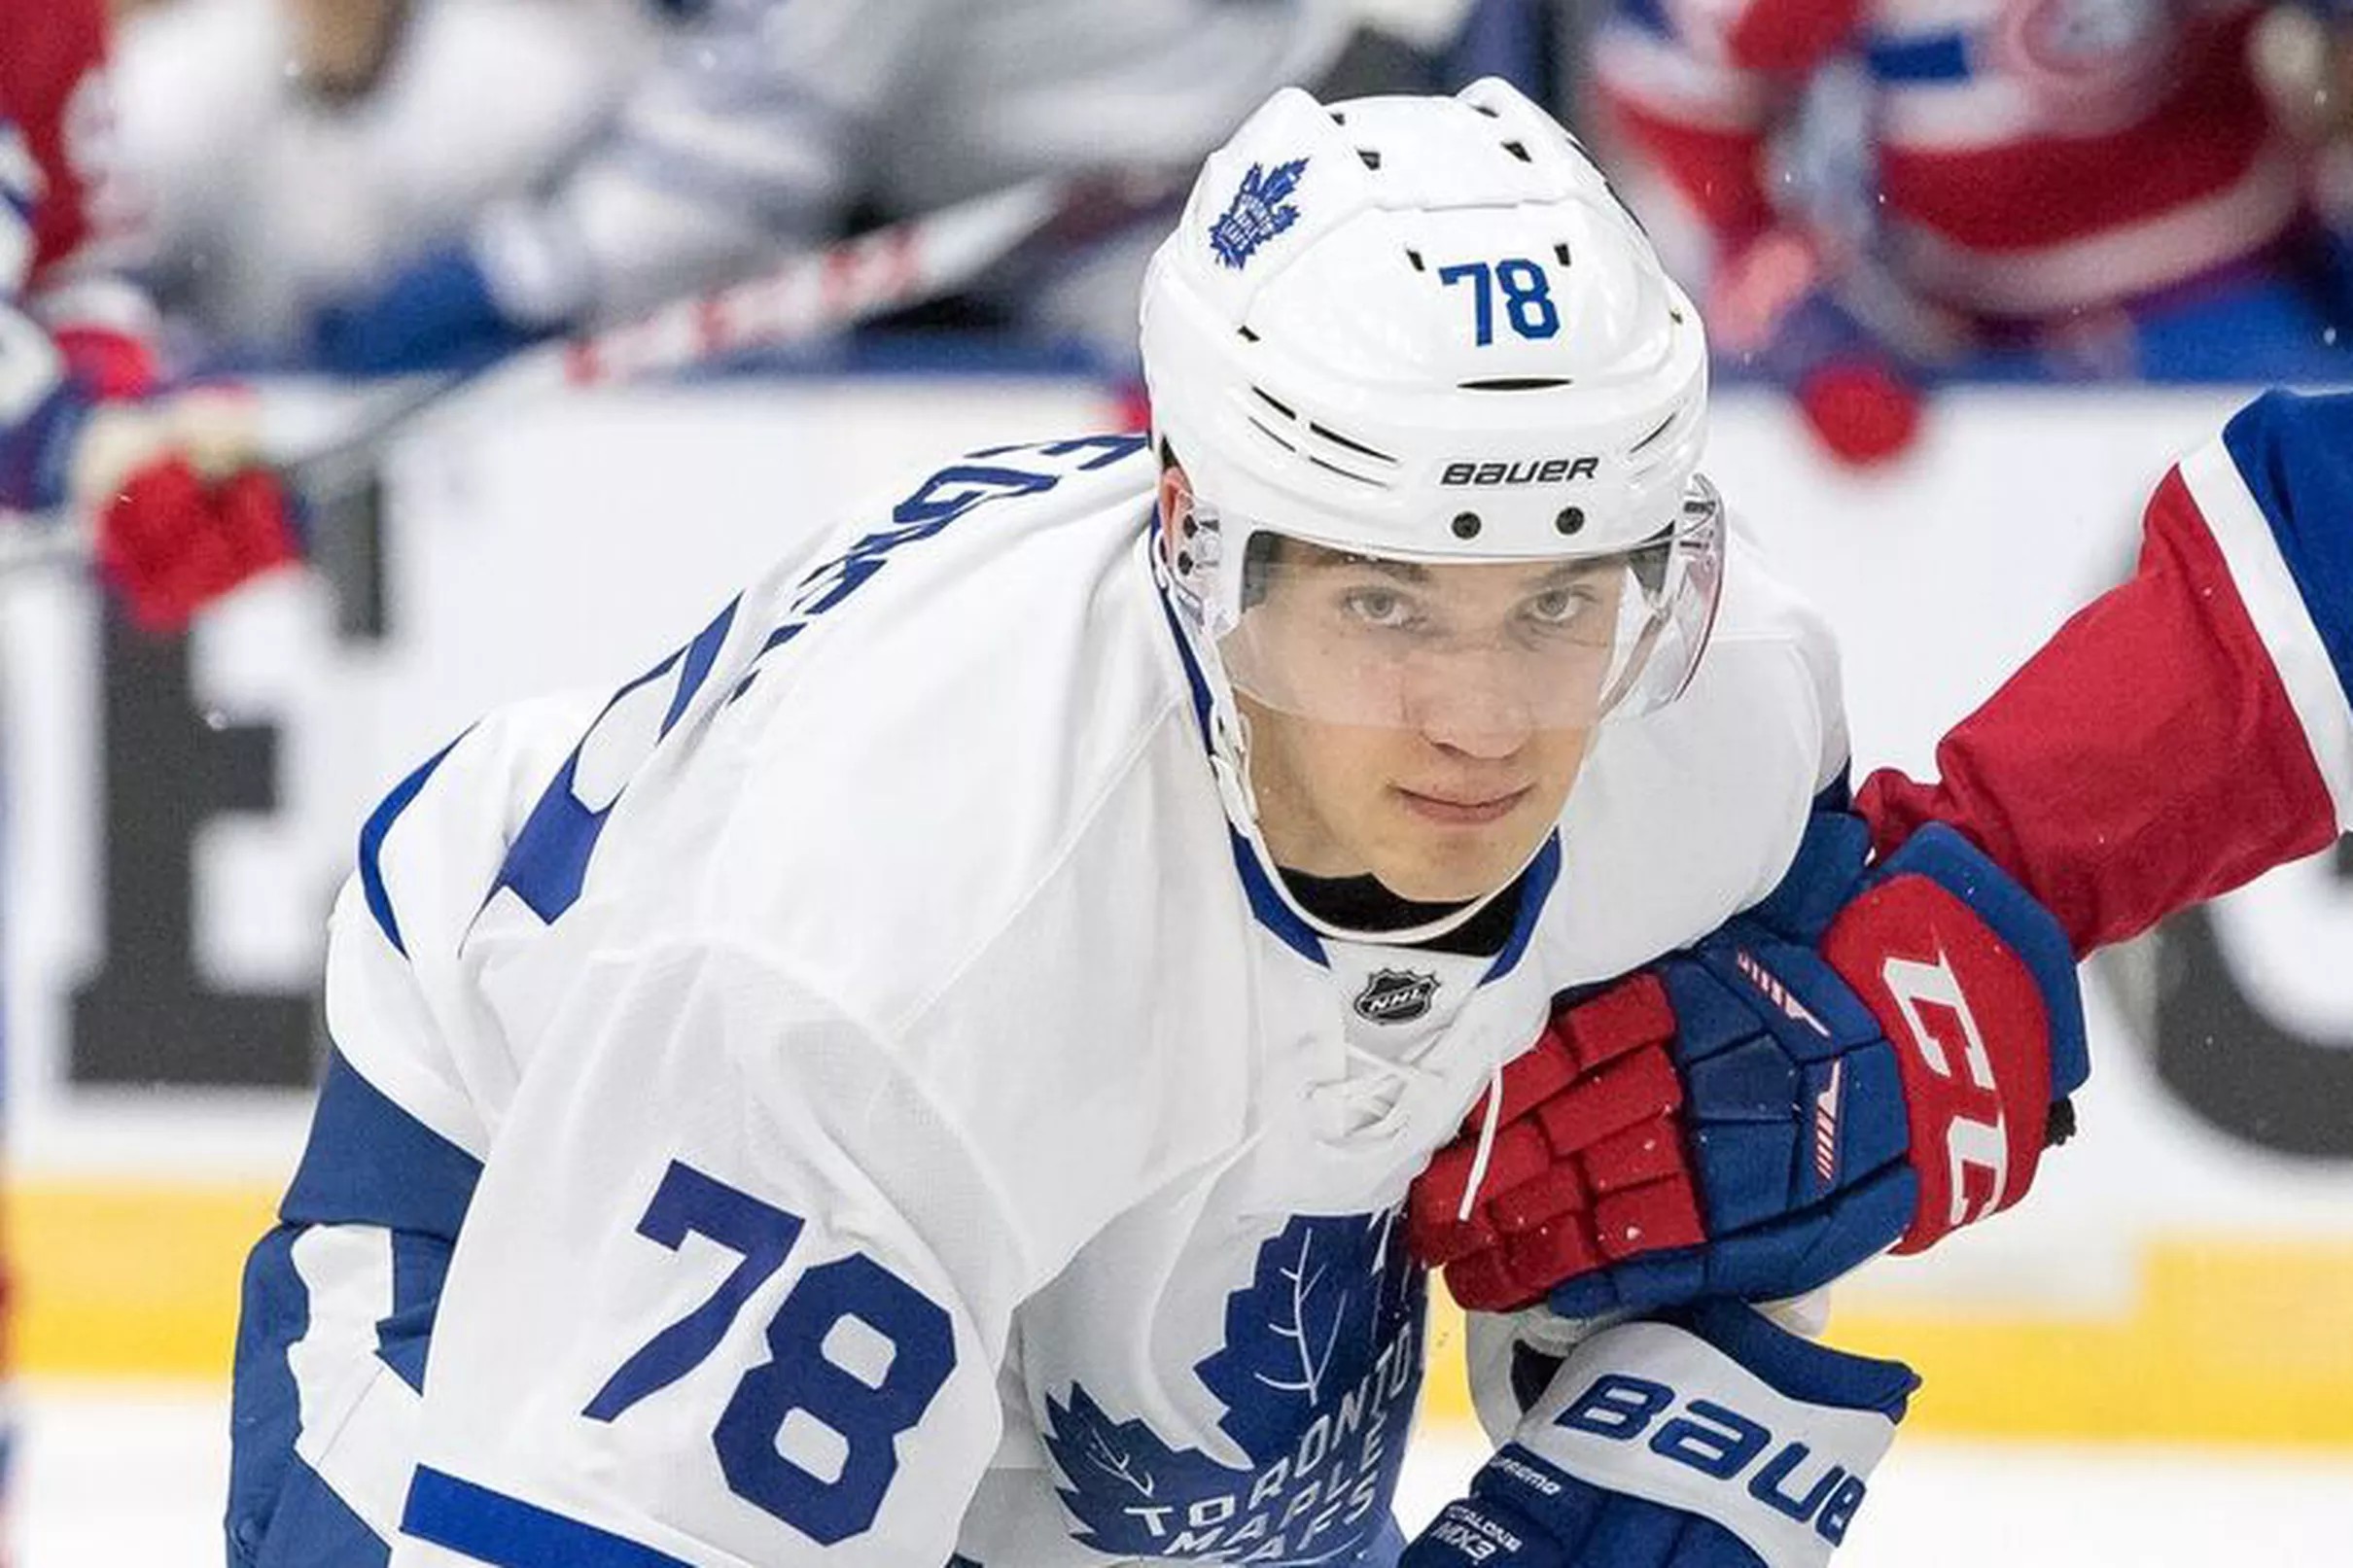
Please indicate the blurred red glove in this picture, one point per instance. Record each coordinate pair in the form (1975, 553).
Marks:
(1861, 408)
(171, 541)
(172, 482)
(183, 510)
(1776, 307)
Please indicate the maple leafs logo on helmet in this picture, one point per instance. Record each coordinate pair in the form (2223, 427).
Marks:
(1260, 211)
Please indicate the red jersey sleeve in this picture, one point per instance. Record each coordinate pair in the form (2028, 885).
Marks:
(2190, 729)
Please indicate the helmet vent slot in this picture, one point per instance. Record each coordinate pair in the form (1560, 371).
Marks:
(1259, 426)
(1484, 110)
(1561, 254)
(1247, 336)
(1518, 150)
(1665, 425)
(1334, 467)
(1372, 158)
(1415, 257)
(1516, 383)
(1338, 439)
(1274, 403)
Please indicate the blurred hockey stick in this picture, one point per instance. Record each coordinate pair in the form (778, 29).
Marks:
(807, 296)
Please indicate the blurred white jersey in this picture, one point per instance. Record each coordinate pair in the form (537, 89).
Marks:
(269, 200)
(770, 119)
(880, 1103)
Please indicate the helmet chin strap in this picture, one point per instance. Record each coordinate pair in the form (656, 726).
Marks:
(1229, 763)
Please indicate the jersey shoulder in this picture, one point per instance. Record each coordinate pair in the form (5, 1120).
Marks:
(1688, 815)
(937, 769)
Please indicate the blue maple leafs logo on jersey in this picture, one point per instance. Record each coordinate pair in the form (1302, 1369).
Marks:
(1260, 210)
(1318, 1374)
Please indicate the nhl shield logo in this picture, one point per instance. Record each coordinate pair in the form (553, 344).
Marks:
(1260, 210)
(1395, 997)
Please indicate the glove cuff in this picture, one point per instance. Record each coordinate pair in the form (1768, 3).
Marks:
(1801, 1369)
(1723, 1416)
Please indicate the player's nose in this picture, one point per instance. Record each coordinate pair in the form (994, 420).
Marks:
(1472, 703)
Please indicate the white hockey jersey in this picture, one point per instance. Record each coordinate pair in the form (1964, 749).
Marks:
(868, 1106)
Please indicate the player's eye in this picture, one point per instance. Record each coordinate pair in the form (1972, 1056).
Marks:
(1384, 607)
(1558, 608)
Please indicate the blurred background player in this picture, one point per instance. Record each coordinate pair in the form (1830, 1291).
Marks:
(298, 151)
(181, 508)
(768, 127)
(2068, 187)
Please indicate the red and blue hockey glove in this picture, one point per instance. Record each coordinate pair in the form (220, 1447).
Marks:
(1709, 1440)
(439, 313)
(181, 506)
(1870, 1058)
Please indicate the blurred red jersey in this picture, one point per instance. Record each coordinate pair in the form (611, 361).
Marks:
(53, 89)
(71, 217)
(2032, 157)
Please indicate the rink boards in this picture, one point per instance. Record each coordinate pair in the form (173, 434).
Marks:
(2180, 1272)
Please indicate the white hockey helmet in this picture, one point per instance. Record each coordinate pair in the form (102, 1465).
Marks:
(1426, 331)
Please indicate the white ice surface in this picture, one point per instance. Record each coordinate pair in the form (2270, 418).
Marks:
(111, 1478)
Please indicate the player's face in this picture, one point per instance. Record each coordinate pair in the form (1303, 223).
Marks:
(1420, 722)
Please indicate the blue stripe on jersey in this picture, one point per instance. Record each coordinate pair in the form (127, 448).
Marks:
(494, 1528)
(281, 1514)
(1535, 886)
(371, 843)
(1924, 58)
(1266, 904)
(370, 1163)
(420, 1265)
(264, 1410)
(1195, 681)
(2296, 455)
(701, 653)
(547, 864)
(311, 1528)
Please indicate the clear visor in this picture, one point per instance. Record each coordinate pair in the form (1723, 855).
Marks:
(1473, 650)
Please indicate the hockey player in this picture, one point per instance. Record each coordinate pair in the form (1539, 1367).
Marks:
(182, 509)
(295, 153)
(769, 123)
(2081, 184)
(748, 1143)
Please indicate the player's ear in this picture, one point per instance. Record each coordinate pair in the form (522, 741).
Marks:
(1176, 506)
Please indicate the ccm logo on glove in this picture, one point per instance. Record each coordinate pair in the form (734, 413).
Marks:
(1870, 1058)
(1932, 971)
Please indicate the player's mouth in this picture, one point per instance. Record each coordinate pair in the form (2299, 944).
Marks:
(1462, 810)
